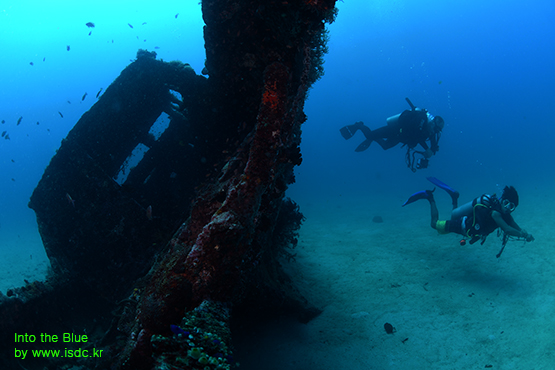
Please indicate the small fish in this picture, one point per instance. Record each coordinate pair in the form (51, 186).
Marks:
(70, 200)
(7, 137)
(90, 33)
(60, 113)
(99, 91)
(38, 123)
(84, 96)
(13, 179)
(19, 120)
(67, 47)
(129, 24)
(31, 63)
(143, 23)
(4, 133)
(157, 47)
(149, 213)
(3, 121)
(176, 15)
(68, 102)
(13, 161)
(43, 59)
(89, 24)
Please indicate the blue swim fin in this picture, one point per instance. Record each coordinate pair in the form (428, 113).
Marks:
(440, 184)
(424, 194)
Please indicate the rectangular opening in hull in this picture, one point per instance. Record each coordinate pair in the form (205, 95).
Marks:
(160, 126)
(132, 161)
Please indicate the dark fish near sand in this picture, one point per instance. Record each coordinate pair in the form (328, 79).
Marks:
(84, 96)
(129, 24)
(90, 33)
(19, 120)
(99, 91)
(89, 24)
(176, 15)
(31, 63)
(60, 113)
(4, 133)
(67, 47)
(3, 121)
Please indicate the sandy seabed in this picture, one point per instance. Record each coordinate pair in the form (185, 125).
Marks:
(453, 307)
(22, 257)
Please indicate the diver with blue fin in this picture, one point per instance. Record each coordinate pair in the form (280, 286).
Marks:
(411, 128)
(476, 219)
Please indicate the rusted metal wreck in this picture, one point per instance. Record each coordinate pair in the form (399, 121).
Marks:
(163, 212)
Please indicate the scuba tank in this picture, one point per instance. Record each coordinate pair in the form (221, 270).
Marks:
(467, 209)
(464, 210)
(393, 120)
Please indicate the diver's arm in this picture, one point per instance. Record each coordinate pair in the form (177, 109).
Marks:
(510, 230)
(511, 222)
(427, 151)
(433, 144)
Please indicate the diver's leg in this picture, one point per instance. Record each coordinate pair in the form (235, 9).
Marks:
(386, 137)
(440, 226)
(452, 192)
(434, 212)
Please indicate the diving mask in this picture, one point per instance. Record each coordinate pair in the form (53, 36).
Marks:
(508, 205)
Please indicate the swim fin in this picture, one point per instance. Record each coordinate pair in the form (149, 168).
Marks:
(364, 145)
(348, 131)
(440, 184)
(424, 194)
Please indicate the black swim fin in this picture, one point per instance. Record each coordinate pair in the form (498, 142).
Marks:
(364, 145)
(348, 131)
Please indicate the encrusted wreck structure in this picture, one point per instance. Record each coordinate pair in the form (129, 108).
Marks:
(163, 212)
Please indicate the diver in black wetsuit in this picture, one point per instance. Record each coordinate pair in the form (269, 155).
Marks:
(478, 218)
(411, 128)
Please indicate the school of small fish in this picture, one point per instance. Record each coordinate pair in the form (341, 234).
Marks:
(89, 25)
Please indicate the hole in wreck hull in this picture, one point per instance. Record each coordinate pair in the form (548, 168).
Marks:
(160, 125)
(132, 161)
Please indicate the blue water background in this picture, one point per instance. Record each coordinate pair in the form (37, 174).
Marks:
(485, 66)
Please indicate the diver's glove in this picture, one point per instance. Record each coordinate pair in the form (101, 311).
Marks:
(527, 237)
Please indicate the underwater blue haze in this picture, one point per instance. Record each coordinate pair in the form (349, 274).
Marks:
(485, 66)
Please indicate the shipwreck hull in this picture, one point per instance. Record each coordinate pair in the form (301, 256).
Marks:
(193, 235)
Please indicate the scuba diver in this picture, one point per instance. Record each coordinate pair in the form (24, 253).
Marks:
(411, 127)
(478, 218)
